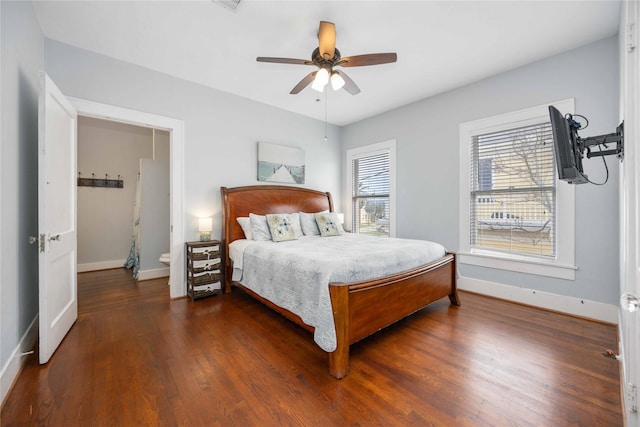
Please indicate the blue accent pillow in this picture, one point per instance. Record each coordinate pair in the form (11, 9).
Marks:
(281, 227)
(328, 224)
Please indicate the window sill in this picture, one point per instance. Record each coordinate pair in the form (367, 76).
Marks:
(518, 264)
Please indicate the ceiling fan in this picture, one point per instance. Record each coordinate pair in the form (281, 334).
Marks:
(326, 57)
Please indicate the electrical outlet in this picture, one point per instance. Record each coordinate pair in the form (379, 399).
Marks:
(632, 397)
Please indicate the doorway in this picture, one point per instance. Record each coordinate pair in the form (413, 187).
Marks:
(176, 147)
(123, 197)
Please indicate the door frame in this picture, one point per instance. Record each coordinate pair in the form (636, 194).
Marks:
(175, 127)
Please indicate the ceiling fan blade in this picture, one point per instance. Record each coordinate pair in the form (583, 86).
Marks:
(327, 39)
(284, 60)
(349, 85)
(369, 59)
(304, 83)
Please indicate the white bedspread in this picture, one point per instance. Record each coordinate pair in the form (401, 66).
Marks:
(296, 274)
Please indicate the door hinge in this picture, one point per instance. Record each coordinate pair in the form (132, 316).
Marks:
(631, 395)
(631, 41)
(43, 241)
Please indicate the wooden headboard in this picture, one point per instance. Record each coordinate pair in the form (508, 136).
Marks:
(261, 200)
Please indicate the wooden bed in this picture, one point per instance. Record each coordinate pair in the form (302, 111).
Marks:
(359, 309)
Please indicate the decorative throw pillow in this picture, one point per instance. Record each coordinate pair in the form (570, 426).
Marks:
(327, 223)
(297, 228)
(281, 227)
(245, 224)
(259, 227)
(309, 225)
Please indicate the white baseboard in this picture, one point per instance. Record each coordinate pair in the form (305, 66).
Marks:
(564, 304)
(11, 369)
(102, 265)
(153, 274)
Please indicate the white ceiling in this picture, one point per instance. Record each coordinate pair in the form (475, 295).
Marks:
(441, 45)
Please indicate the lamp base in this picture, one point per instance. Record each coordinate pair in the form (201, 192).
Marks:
(205, 236)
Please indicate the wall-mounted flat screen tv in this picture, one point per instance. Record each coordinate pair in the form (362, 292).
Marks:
(567, 152)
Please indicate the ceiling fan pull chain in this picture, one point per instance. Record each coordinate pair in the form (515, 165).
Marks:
(326, 101)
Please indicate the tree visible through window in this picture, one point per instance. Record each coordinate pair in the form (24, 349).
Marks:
(513, 193)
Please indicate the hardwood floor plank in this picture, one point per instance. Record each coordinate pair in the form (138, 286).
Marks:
(135, 357)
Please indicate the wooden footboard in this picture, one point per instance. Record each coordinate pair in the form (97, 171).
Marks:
(363, 308)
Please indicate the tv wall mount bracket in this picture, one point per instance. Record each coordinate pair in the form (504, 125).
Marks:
(616, 137)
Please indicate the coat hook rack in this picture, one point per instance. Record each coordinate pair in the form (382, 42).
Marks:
(105, 182)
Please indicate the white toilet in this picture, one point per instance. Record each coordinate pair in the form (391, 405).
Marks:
(165, 258)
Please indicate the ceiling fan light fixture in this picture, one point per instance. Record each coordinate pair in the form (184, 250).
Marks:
(336, 81)
(321, 80)
(317, 87)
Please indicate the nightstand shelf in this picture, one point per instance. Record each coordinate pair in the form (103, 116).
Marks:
(204, 268)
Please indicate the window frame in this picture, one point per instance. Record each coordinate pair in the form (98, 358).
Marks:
(364, 151)
(563, 264)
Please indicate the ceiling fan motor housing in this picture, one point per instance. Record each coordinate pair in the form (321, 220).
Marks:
(320, 62)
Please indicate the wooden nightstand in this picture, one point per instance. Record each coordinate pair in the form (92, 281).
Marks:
(205, 266)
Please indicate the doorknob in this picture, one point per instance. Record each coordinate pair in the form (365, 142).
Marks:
(629, 302)
(32, 240)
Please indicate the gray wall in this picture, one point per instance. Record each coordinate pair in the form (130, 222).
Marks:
(22, 50)
(427, 134)
(221, 130)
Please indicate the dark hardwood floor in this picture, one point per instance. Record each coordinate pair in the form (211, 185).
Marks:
(136, 358)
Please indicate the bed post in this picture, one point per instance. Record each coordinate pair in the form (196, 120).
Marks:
(228, 270)
(453, 296)
(339, 359)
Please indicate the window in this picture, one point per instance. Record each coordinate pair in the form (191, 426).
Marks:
(513, 191)
(371, 171)
(514, 213)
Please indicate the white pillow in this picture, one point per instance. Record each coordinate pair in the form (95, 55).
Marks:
(259, 227)
(246, 227)
(309, 224)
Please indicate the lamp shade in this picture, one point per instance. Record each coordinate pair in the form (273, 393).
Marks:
(321, 80)
(336, 81)
(316, 86)
(205, 224)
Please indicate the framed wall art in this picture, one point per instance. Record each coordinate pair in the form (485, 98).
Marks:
(280, 163)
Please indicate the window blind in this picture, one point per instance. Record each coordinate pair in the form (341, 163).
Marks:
(370, 184)
(513, 193)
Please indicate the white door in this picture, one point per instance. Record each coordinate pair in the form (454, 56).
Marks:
(57, 133)
(630, 209)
